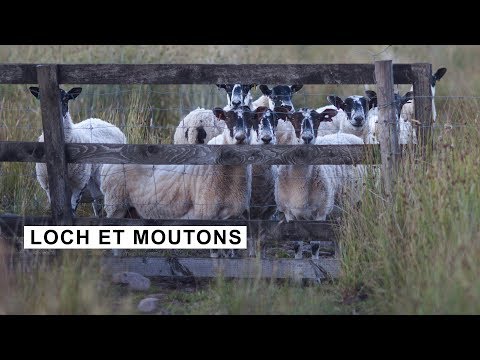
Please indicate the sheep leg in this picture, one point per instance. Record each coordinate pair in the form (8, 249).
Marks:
(214, 253)
(75, 199)
(315, 249)
(298, 248)
(97, 208)
(251, 246)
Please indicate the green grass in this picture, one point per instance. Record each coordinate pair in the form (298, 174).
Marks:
(416, 253)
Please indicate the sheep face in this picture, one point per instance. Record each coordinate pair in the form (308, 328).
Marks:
(264, 124)
(399, 100)
(237, 94)
(238, 121)
(280, 95)
(355, 107)
(306, 122)
(65, 97)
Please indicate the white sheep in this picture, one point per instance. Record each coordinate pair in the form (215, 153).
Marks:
(347, 180)
(237, 95)
(262, 203)
(201, 125)
(262, 101)
(81, 177)
(208, 192)
(198, 127)
(280, 95)
(303, 192)
(351, 117)
(407, 133)
(408, 109)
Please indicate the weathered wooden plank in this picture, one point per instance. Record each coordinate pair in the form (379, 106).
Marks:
(317, 269)
(422, 92)
(18, 74)
(220, 154)
(388, 123)
(195, 154)
(55, 156)
(226, 73)
(17, 151)
(11, 225)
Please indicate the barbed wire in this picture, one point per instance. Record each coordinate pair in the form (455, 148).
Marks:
(183, 172)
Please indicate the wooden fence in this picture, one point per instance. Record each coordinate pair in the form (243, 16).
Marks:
(57, 154)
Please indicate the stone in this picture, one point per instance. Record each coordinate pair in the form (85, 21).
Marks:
(147, 305)
(134, 280)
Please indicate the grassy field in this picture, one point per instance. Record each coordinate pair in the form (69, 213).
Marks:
(417, 256)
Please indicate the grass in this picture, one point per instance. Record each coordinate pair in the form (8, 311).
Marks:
(416, 253)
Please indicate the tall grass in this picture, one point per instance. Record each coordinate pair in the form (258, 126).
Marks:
(419, 253)
(413, 254)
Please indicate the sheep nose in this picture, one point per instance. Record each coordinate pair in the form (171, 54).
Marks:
(236, 103)
(307, 138)
(240, 137)
(266, 139)
(358, 119)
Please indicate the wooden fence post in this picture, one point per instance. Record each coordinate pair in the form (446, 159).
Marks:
(55, 151)
(423, 104)
(388, 123)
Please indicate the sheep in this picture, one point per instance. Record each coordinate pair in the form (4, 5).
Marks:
(347, 180)
(408, 109)
(184, 191)
(201, 125)
(237, 95)
(351, 117)
(280, 95)
(263, 200)
(407, 133)
(262, 203)
(303, 192)
(262, 101)
(81, 177)
(198, 127)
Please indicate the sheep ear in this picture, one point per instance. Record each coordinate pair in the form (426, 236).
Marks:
(35, 91)
(408, 96)
(336, 101)
(281, 113)
(74, 92)
(327, 114)
(221, 86)
(317, 118)
(372, 98)
(249, 117)
(295, 87)
(439, 73)
(259, 111)
(252, 86)
(265, 90)
(219, 113)
(296, 120)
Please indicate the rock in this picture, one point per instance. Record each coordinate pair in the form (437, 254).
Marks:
(147, 305)
(134, 280)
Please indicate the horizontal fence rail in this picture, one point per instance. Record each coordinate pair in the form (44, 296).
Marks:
(13, 225)
(313, 269)
(206, 73)
(13, 151)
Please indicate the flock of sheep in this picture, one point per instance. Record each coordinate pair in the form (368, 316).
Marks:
(218, 192)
